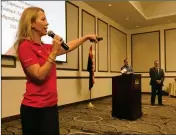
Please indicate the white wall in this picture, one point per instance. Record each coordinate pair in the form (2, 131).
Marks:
(169, 75)
(72, 85)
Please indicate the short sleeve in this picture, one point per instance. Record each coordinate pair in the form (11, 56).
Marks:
(27, 55)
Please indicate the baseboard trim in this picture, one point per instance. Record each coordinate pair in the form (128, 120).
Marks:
(146, 92)
(84, 101)
(10, 118)
(172, 96)
(15, 117)
(163, 93)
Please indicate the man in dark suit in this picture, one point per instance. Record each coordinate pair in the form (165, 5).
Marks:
(156, 82)
(126, 69)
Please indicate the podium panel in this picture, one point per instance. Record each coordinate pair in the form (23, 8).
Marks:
(126, 96)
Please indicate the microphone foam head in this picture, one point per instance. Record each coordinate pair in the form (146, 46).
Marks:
(51, 33)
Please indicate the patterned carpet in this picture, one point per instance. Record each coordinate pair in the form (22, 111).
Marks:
(79, 120)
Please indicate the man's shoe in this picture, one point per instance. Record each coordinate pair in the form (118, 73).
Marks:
(152, 104)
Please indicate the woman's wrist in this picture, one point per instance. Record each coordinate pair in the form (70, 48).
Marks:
(87, 37)
(53, 55)
(51, 60)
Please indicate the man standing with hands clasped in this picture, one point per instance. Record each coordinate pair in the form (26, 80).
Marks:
(156, 82)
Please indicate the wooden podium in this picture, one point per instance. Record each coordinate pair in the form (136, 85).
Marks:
(126, 96)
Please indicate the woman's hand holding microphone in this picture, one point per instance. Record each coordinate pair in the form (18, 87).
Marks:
(57, 41)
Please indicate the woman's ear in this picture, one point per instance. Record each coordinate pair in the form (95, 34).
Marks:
(32, 26)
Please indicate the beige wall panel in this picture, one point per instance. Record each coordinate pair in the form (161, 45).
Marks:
(8, 61)
(163, 54)
(145, 50)
(70, 90)
(88, 27)
(12, 94)
(145, 85)
(118, 49)
(170, 50)
(167, 80)
(72, 33)
(78, 89)
(102, 46)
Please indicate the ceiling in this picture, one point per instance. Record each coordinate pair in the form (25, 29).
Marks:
(137, 14)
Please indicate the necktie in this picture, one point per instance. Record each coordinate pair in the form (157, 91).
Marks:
(157, 70)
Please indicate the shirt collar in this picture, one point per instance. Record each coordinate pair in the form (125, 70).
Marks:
(34, 42)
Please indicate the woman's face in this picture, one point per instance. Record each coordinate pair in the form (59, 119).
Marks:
(40, 25)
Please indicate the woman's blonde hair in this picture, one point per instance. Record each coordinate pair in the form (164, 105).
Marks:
(28, 16)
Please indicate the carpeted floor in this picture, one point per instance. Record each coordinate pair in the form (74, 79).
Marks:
(79, 120)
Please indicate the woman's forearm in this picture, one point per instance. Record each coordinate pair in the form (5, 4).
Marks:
(77, 42)
(73, 45)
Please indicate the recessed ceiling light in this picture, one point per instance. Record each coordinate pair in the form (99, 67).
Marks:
(169, 21)
(127, 18)
(110, 5)
(137, 26)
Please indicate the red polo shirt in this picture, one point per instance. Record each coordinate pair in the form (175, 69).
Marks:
(38, 95)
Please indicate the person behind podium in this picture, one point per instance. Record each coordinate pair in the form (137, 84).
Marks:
(156, 82)
(126, 69)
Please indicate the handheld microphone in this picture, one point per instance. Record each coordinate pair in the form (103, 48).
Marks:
(64, 45)
(98, 39)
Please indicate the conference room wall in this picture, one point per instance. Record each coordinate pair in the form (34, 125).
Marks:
(118, 49)
(71, 79)
(146, 88)
(166, 53)
(145, 49)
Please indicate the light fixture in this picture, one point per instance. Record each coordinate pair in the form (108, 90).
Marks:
(110, 5)
(137, 26)
(169, 21)
(127, 18)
